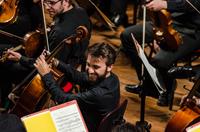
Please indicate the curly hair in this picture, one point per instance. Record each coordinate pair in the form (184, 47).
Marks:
(103, 50)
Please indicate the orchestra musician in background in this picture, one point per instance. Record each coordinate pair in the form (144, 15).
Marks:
(28, 18)
(67, 18)
(186, 21)
(102, 92)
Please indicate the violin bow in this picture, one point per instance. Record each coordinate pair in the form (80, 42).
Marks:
(11, 35)
(45, 26)
(192, 5)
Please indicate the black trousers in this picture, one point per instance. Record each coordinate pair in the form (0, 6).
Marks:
(164, 59)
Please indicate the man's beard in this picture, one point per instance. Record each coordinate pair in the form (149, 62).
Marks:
(98, 78)
(58, 14)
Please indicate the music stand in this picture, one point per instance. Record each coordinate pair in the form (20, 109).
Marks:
(158, 81)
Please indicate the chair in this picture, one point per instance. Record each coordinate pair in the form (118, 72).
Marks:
(113, 118)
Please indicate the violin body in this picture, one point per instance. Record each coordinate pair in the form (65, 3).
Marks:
(32, 45)
(8, 11)
(182, 119)
(164, 32)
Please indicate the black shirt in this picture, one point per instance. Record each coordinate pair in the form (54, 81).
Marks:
(95, 102)
(66, 25)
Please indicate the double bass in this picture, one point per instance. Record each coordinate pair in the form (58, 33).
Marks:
(32, 94)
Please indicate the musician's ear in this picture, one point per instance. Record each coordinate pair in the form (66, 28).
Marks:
(109, 68)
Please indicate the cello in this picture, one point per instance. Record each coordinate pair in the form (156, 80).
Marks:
(188, 114)
(8, 11)
(32, 94)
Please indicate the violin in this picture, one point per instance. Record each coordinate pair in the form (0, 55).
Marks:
(32, 94)
(164, 33)
(8, 11)
(32, 45)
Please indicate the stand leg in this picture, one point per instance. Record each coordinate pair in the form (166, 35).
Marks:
(143, 125)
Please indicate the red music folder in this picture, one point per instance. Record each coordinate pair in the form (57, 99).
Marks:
(61, 118)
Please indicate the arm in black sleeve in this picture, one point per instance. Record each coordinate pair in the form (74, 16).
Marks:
(57, 94)
(72, 74)
(27, 62)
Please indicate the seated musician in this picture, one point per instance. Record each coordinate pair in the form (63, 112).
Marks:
(67, 18)
(102, 92)
(27, 19)
(186, 21)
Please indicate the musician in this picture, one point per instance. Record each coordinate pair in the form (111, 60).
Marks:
(67, 19)
(28, 18)
(102, 92)
(186, 21)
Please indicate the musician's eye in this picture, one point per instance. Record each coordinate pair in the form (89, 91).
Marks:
(51, 3)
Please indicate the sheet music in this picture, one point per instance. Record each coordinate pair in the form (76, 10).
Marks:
(154, 74)
(65, 117)
(68, 119)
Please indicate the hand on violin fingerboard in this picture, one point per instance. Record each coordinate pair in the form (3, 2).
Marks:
(12, 55)
(41, 65)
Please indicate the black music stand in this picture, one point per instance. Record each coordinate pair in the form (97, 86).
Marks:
(143, 125)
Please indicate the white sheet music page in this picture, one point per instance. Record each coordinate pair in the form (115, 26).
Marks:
(156, 77)
(68, 118)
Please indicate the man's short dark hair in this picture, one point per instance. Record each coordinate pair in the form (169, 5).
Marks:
(103, 50)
